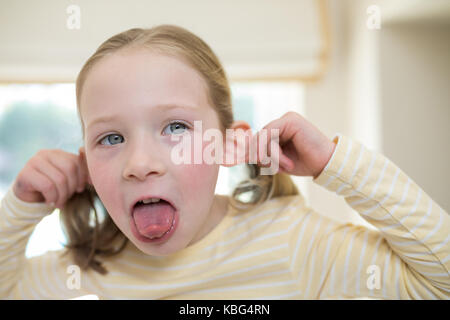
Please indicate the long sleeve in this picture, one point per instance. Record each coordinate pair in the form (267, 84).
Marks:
(282, 250)
(407, 257)
(41, 277)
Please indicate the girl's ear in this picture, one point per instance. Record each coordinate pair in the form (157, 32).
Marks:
(82, 153)
(236, 144)
(240, 124)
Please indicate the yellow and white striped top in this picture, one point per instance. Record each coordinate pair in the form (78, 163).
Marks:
(281, 250)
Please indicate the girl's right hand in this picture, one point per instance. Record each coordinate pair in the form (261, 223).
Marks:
(52, 176)
(304, 149)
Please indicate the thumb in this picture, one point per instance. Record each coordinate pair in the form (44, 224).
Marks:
(236, 148)
(84, 166)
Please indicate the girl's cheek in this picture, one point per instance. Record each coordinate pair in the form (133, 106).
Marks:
(104, 184)
(99, 174)
(198, 178)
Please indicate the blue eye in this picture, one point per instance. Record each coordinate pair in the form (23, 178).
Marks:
(110, 135)
(176, 128)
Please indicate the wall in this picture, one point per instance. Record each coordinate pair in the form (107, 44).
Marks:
(383, 85)
(327, 107)
(415, 78)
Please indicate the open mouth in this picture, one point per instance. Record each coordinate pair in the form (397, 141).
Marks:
(153, 219)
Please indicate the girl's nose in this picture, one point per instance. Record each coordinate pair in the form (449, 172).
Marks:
(143, 162)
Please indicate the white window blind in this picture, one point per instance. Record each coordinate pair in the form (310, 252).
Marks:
(254, 39)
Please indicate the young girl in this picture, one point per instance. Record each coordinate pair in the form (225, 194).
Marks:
(140, 88)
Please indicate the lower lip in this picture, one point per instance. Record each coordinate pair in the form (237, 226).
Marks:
(160, 240)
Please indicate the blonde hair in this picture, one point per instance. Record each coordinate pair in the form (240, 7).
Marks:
(91, 235)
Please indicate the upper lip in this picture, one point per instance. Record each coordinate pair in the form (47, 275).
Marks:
(148, 197)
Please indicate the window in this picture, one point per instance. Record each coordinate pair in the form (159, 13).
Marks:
(37, 116)
(34, 117)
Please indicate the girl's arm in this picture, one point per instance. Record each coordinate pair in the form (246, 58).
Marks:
(53, 176)
(49, 276)
(408, 257)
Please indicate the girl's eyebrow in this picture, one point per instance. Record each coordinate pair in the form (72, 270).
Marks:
(166, 107)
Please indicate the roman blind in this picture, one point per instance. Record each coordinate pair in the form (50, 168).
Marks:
(254, 39)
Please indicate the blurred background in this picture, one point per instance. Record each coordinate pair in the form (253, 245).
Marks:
(376, 71)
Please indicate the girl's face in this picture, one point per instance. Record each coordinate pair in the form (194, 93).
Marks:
(129, 154)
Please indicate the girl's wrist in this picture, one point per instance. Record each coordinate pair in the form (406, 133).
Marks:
(331, 146)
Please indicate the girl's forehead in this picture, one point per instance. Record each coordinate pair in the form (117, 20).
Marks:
(142, 79)
(137, 64)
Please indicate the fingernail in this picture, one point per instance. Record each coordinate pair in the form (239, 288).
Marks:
(52, 204)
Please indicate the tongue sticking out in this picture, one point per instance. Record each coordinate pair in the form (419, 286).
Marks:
(153, 220)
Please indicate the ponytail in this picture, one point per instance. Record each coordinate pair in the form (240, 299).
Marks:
(89, 234)
(261, 188)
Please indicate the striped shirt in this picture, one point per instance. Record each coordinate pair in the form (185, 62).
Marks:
(283, 249)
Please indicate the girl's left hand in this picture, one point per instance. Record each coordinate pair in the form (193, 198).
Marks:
(304, 150)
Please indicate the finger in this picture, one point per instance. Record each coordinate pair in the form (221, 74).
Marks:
(55, 176)
(43, 185)
(269, 151)
(66, 176)
(75, 168)
(286, 127)
(281, 160)
(251, 155)
(237, 147)
(281, 169)
(80, 175)
(84, 169)
(263, 149)
(68, 167)
(81, 179)
(258, 150)
(287, 163)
